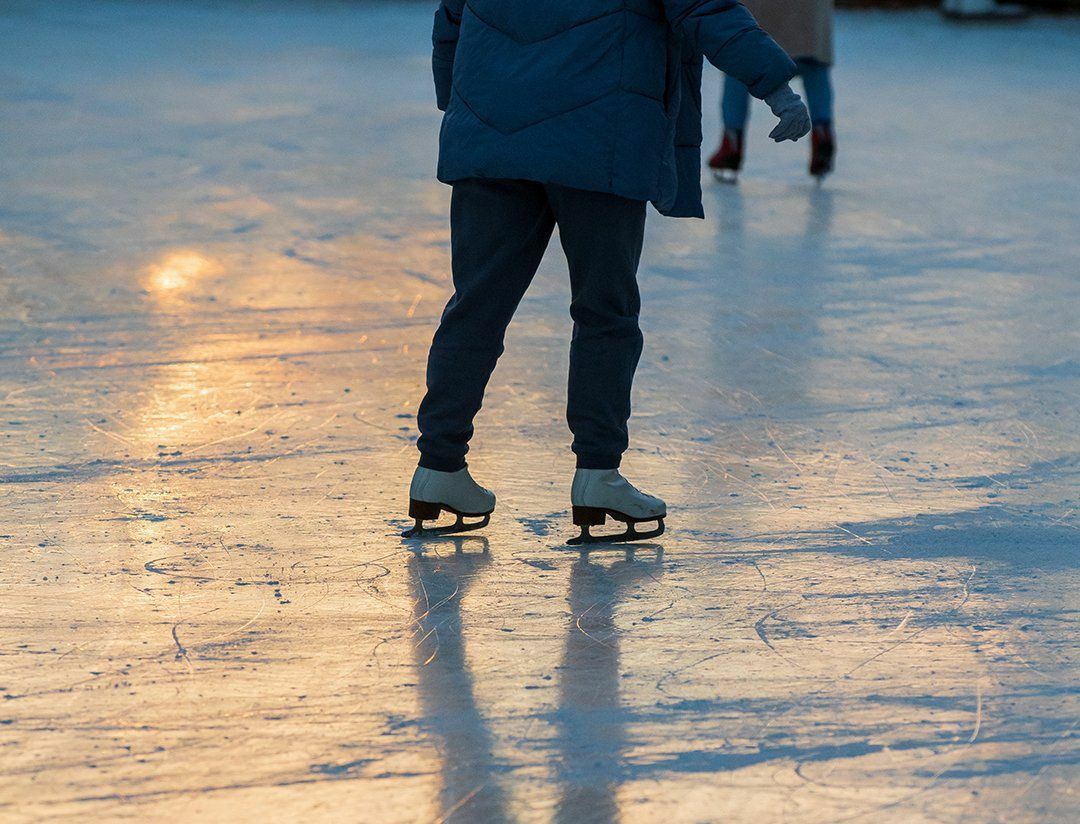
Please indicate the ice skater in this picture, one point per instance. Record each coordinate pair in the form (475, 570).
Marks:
(573, 114)
(804, 29)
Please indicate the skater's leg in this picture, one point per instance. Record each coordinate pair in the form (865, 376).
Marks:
(819, 99)
(602, 236)
(735, 104)
(727, 160)
(819, 93)
(499, 230)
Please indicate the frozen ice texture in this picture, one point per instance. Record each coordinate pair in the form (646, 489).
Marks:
(222, 256)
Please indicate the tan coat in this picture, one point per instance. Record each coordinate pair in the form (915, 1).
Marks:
(803, 28)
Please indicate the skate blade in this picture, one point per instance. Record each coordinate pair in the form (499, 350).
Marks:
(726, 176)
(631, 534)
(418, 530)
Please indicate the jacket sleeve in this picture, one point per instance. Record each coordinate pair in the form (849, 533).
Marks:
(444, 38)
(728, 35)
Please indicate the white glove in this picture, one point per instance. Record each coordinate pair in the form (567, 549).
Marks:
(794, 118)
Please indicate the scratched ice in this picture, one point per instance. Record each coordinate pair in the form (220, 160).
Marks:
(222, 254)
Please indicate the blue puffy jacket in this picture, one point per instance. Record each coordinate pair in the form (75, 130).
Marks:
(602, 95)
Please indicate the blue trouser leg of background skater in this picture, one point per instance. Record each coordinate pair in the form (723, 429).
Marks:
(817, 82)
(818, 85)
(735, 103)
(499, 231)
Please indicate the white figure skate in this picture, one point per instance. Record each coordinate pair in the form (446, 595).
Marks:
(598, 493)
(432, 492)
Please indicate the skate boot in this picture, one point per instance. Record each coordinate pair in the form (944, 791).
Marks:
(822, 150)
(727, 160)
(598, 493)
(432, 492)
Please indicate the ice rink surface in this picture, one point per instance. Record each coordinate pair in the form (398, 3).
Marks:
(222, 256)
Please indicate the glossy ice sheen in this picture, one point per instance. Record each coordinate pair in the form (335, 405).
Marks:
(222, 255)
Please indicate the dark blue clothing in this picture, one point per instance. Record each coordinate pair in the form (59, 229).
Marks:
(735, 103)
(603, 95)
(499, 231)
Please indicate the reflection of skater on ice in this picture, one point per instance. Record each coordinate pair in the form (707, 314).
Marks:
(535, 136)
(591, 719)
(804, 29)
(470, 785)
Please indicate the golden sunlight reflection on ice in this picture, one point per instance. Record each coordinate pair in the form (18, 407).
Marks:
(178, 270)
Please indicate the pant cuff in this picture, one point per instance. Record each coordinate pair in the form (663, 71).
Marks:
(599, 461)
(442, 464)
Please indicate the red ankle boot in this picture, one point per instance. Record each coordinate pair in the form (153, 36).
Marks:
(822, 150)
(728, 159)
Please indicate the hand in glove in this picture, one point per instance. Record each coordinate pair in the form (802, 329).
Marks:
(794, 119)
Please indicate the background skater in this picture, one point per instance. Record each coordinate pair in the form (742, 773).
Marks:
(571, 115)
(804, 29)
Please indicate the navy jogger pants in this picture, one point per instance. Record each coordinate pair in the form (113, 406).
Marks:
(499, 231)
